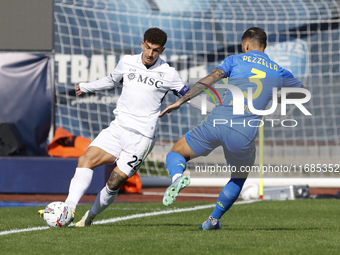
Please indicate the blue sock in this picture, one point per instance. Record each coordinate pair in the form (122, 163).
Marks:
(175, 163)
(228, 196)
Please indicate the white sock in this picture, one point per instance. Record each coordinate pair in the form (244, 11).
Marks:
(79, 184)
(175, 177)
(104, 198)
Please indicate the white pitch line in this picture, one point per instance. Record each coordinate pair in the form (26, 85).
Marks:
(134, 216)
(181, 194)
(156, 213)
(14, 231)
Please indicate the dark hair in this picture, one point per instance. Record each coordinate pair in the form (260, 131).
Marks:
(256, 35)
(155, 35)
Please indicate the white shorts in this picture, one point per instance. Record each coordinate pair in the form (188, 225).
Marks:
(128, 146)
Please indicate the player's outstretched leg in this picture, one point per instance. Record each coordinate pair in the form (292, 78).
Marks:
(225, 200)
(172, 191)
(85, 221)
(79, 184)
(104, 199)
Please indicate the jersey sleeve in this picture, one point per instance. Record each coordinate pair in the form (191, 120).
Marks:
(101, 84)
(118, 72)
(226, 66)
(107, 82)
(289, 80)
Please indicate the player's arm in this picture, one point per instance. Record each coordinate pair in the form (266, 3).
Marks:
(216, 75)
(105, 83)
(101, 84)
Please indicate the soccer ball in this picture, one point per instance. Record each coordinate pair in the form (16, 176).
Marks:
(57, 214)
(250, 192)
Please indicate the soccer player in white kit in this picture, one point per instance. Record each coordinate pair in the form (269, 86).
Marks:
(131, 135)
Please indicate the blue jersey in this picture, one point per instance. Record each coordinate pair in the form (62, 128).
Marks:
(256, 71)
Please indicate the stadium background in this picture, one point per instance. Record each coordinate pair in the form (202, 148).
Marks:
(89, 38)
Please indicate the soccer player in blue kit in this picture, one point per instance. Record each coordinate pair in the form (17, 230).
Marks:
(252, 69)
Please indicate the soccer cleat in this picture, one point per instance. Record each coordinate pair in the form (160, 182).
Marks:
(41, 212)
(85, 221)
(211, 224)
(73, 214)
(172, 191)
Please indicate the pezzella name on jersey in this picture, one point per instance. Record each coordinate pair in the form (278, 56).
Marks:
(145, 79)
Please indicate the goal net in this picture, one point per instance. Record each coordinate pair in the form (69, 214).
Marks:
(303, 36)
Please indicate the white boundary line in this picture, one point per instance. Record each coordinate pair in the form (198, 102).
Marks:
(181, 194)
(155, 213)
(134, 216)
(15, 231)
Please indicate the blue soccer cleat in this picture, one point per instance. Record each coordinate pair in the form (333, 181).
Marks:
(172, 191)
(211, 224)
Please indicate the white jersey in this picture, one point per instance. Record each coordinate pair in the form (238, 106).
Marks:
(139, 104)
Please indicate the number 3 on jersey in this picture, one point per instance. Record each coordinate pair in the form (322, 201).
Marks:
(256, 79)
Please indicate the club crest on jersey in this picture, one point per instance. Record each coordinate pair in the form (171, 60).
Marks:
(131, 76)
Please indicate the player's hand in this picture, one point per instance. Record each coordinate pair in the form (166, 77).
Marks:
(78, 91)
(169, 109)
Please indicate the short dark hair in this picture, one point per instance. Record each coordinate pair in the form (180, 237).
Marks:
(155, 35)
(256, 35)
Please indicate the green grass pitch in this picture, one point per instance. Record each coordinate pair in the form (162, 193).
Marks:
(266, 227)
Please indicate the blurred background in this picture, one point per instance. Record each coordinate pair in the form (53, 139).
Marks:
(48, 46)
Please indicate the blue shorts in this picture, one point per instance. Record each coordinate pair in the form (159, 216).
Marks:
(238, 149)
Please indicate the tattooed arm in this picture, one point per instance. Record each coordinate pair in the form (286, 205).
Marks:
(216, 75)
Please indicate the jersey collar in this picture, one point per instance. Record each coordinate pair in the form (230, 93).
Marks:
(256, 52)
(139, 61)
